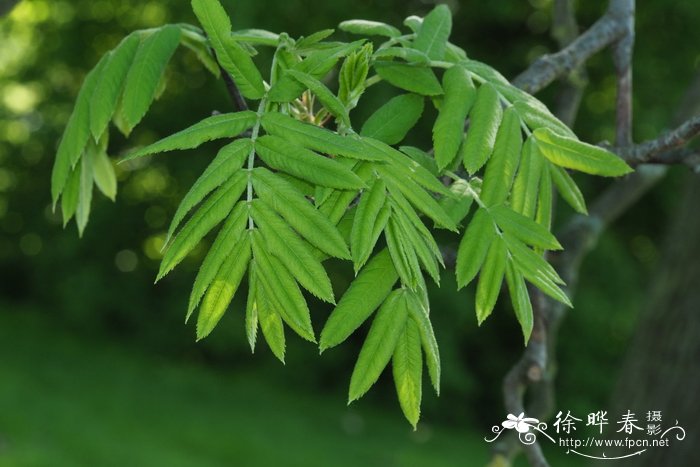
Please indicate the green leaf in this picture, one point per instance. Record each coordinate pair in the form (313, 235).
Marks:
(315, 138)
(574, 154)
(227, 239)
(474, 246)
(413, 22)
(418, 197)
(536, 115)
(299, 213)
(103, 101)
(211, 128)
(457, 206)
(82, 213)
(324, 95)
(102, 168)
(145, 73)
(543, 216)
(422, 157)
(520, 299)
(433, 34)
(368, 28)
(413, 239)
(251, 309)
(223, 287)
(407, 366)
(305, 164)
(404, 167)
(392, 121)
(214, 210)
(316, 64)
(420, 80)
(353, 75)
(524, 228)
(71, 195)
(527, 180)
(282, 290)
(200, 47)
(403, 210)
(410, 55)
(567, 188)
(313, 39)
(535, 269)
(486, 72)
(292, 251)
(231, 56)
(449, 125)
(76, 134)
(368, 223)
(503, 164)
(270, 320)
(419, 314)
(256, 36)
(484, 120)
(365, 294)
(402, 254)
(379, 345)
(226, 163)
(490, 279)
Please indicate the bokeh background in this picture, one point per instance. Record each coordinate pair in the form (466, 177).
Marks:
(96, 365)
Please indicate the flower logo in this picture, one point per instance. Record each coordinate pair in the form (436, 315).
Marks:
(521, 423)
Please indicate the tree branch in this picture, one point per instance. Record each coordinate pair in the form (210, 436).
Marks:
(663, 148)
(607, 30)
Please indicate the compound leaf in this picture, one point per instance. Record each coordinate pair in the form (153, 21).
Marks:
(211, 128)
(433, 34)
(573, 154)
(365, 294)
(232, 57)
(223, 287)
(228, 160)
(144, 77)
(378, 348)
(407, 366)
(484, 120)
(305, 164)
(449, 125)
(392, 121)
(213, 211)
(420, 80)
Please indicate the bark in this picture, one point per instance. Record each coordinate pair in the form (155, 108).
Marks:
(662, 367)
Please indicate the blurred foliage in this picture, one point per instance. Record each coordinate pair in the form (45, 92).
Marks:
(103, 284)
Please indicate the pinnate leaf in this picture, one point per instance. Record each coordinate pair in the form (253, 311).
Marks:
(146, 71)
(378, 348)
(365, 294)
(211, 128)
(232, 57)
(573, 154)
(392, 121)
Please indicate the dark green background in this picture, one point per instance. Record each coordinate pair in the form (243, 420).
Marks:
(96, 366)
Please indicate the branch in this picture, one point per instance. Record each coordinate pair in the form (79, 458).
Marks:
(607, 30)
(664, 148)
(565, 30)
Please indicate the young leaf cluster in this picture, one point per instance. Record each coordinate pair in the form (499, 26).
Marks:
(297, 182)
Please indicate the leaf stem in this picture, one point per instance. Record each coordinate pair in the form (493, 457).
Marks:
(251, 157)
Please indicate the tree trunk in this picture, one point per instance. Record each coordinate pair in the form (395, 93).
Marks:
(662, 368)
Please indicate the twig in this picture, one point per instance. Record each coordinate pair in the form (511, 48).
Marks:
(565, 30)
(622, 58)
(655, 150)
(608, 29)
